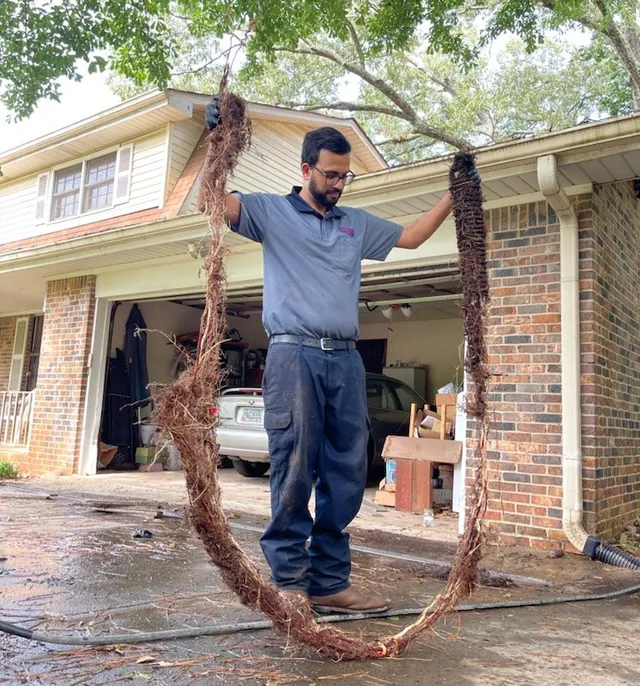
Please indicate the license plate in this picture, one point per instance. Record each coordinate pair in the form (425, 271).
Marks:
(250, 415)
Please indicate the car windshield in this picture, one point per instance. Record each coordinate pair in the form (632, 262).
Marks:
(389, 394)
(405, 396)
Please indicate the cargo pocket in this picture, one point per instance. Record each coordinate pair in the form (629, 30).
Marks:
(279, 426)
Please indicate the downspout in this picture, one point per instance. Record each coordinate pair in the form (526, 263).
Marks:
(572, 500)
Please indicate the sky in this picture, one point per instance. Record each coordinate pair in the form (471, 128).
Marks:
(78, 101)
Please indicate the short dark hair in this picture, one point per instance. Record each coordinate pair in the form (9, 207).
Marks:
(326, 138)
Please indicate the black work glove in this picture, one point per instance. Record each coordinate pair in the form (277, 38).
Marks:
(473, 176)
(212, 113)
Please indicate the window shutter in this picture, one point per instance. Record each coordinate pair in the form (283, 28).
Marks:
(123, 174)
(17, 358)
(41, 198)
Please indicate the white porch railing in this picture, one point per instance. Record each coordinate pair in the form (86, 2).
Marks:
(15, 418)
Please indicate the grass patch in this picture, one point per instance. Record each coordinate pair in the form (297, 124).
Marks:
(8, 470)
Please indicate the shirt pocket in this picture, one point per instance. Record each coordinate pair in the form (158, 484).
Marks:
(347, 251)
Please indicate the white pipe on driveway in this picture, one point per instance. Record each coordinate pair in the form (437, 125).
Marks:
(572, 502)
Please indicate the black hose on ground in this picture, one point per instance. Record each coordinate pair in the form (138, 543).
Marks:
(225, 629)
(603, 552)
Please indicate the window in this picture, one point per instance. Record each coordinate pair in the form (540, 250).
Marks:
(66, 192)
(88, 185)
(98, 183)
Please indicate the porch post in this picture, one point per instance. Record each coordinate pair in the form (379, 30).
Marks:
(60, 393)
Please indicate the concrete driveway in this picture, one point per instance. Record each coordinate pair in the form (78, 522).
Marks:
(67, 567)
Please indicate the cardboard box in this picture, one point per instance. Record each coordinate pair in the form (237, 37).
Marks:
(427, 433)
(385, 498)
(384, 486)
(422, 450)
(447, 399)
(450, 402)
(106, 453)
(428, 424)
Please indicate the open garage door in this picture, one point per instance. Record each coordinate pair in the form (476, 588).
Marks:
(409, 319)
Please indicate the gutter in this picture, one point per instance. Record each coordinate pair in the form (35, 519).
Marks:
(572, 498)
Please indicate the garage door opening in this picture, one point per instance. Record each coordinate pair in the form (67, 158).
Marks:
(168, 335)
(411, 336)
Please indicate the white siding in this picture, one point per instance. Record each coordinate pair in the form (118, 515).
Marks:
(272, 163)
(183, 138)
(18, 200)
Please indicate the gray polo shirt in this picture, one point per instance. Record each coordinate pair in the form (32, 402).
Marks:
(311, 262)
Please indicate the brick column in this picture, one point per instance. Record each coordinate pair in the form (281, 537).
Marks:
(525, 487)
(62, 377)
(525, 449)
(610, 255)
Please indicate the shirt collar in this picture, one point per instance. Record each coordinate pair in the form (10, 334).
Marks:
(303, 206)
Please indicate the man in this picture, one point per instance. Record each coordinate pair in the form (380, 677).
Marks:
(314, 381)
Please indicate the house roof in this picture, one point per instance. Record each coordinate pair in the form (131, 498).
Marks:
(595, 153)
(600, 152)
(149, 112)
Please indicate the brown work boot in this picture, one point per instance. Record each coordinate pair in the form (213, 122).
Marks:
(349, 601)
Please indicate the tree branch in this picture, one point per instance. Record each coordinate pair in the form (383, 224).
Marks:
(607, 27)
(206, 64)
(357, 44)
(443, 83)
(399, 139)
(350, 107)
(626, 54)
(408, 112)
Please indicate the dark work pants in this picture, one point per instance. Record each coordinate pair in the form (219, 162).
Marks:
(316, 419)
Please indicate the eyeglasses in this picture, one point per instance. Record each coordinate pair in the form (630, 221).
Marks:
(331, 178)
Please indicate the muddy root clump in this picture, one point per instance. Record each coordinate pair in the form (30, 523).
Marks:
(186, 410)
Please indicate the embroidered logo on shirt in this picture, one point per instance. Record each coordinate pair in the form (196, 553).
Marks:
(348, 231)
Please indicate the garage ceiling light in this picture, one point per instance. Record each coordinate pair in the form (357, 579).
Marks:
(423, 299)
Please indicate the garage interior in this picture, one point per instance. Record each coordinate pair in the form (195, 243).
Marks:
(410, 329)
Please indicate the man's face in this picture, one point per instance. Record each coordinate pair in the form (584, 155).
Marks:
(325, 194)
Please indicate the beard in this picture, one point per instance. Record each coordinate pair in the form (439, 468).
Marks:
(324, 197)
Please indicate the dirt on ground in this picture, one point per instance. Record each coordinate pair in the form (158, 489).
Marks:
(71, 566)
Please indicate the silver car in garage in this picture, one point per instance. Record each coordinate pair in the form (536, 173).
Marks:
(242, 437)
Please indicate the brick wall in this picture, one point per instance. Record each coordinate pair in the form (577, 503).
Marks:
(7, 333)
(610, 338)
(62, 377)
(525, 495)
